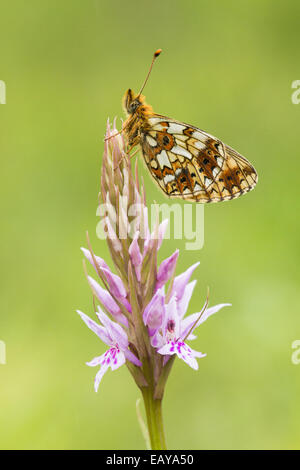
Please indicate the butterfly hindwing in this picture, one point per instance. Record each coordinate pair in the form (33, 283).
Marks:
(191, 164)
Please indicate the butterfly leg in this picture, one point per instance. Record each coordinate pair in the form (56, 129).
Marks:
(130, 156)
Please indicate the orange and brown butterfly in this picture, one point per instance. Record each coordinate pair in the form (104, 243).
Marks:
(186, 162)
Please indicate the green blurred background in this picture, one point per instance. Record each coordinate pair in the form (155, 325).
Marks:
(226, 67)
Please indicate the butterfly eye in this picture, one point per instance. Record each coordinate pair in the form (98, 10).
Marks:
(133, 106)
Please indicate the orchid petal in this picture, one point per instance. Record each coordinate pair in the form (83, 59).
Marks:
(210, 311)
(167, 349)
(99, 376)
(95, 361)
(157, 341)
(183, 351)
(113, 358)
(144, 227)
(113, 237)
(191, 322)
(191, 337)
(166, 269)
(115, 331)
(134, 252)
(104, 296)
(154, 312)
(117, 359)
(132, 357)
(107, 301)
(98, 329)
(182, 280)
(100, 262)
(115, 283)
(161, 232)
(171, 327)
(183, 303)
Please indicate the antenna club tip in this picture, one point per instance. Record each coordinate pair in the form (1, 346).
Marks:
(157, 53)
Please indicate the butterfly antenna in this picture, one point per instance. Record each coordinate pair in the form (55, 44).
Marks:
(155, 55)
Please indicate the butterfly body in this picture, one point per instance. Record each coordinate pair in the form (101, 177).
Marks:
(186, 162)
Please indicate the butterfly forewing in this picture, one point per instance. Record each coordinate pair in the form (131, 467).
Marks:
(189, 163)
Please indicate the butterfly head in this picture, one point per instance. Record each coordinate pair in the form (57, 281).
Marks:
(132, 102)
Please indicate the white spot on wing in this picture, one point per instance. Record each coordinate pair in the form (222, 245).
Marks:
(186, 191)
(151, 141)
(175, 128)
(178, 171)
(163, 159)
(199, 136)
(197, 187)
(207, 181)
(182, 151)
(182, 137)
(155, 120)
(200, 145)
(215, 172)
(155, 124)
(172, 157)
(168, 178)
(221, 149)
(220, 161)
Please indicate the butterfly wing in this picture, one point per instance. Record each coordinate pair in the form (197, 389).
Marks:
(191, 164)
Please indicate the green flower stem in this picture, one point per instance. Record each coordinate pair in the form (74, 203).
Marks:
(154, 419)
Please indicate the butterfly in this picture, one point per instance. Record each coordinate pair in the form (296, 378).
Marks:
(185, 161)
